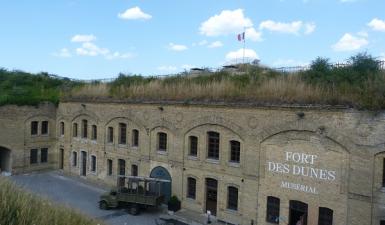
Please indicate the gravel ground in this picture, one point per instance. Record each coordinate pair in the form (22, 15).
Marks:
(77, 194)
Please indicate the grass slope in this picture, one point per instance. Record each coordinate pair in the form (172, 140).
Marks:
(18, 207)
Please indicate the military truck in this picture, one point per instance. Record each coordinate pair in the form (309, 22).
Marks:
(135, 194)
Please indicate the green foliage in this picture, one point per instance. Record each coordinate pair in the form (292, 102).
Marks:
(173, 200)
(21, 88)
(18, 207)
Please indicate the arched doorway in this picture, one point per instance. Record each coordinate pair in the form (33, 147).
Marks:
(5, 160)
(162, 173)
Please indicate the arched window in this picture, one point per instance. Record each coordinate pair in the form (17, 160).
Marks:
(44, 127)
(122, 133)
(162, 141)
(74, 158)
(191, 187)
(325, 216)
(75, 130)
(272, 209)
(213, 145)
(235, 151)
(134, 170)
(232, 198)
(135, 138)
(61, 128)
(93, 163)
(94, 134)
(110, 135)
(84, 128)
(34, 127)
(193, 146)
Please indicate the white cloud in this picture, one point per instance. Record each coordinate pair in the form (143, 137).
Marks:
(187, 66)
(177, 47)
(253, 35)
(83, 38)
(118, 55)
(295, 27)
(309, 28)
(90, 49)
(382, 56)
(377, 24)
(215, 44)
(349, 42)
(167, 68)
(238, 55)
(227, 22)
(345, 1)
(64, 53)
(134, 13)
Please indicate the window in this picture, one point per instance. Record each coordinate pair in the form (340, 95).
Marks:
(193, 151)
(235, 151)
(109, 167)
(134, 170)
(122, 167)
(135, 138)
(383, 173)
(44, 155)
(84, 128)
(382, 222)
(162, 141)
(74, 158)
(232, 198)
(110, 135)
(34, 127)
(213, 145)
(93, 163)
(61, 128)
(44, 127)
(272, 209)
(122, 133)
(75, 130)
(191, 187)
(94, 134)
(33, 156)
(325, 216)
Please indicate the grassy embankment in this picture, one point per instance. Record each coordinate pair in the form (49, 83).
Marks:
(18, 207)
(360, 85)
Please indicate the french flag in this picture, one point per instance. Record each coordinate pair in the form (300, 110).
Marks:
(241, 37)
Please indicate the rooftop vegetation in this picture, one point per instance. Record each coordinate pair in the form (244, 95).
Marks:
(18, 207)
(359, 84)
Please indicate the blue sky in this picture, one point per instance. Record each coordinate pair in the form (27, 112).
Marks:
(91, 39)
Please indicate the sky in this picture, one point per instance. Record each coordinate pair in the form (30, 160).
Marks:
(96, 39)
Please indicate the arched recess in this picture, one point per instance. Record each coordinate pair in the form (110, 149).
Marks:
(162, 173)
(5, 160)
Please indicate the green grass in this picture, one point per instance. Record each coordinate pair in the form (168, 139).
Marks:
(18, 207)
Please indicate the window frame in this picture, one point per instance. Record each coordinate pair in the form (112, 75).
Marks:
(110, 170)
(44, 127)
(44, 157)
(191, 188)
(323, 216)
(193, 146)
(110, 134)
(134, 168)
(93, 160)
(135, 138)
(84, 129)
(122, 140)
(33, 156)
(162, 141)
(213, 145)
(235, 151)
(74, 158)
(273, 208)
(62, 129)
(34, 129)
(75, 129)
(232, 198)
(94, 132)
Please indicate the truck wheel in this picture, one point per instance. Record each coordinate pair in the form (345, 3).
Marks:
(103, 205)
(134, 209)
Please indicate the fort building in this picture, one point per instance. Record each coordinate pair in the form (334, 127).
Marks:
(245, 164)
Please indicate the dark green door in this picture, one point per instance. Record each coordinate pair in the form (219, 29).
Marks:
(161, 173)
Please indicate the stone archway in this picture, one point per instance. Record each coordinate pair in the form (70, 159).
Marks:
(5, 160)
(162, 173)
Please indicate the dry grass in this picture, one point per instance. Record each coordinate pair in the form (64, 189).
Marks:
(18, 207)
